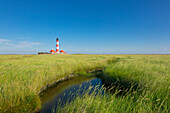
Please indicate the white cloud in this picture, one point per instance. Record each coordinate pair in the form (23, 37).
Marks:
(21, 44)
(4, 40)
(165, 48)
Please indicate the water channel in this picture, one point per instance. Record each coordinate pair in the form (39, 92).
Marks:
(67, 91)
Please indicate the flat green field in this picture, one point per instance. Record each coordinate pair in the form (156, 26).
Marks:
(23, 76)
(141, 82)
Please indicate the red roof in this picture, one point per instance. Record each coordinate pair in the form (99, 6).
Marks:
(62, 51)
(52, 51)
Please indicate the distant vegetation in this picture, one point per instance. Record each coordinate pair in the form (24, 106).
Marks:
(23, 76)
(140, 83)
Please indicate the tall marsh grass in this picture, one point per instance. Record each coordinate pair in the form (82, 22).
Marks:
(23, 76)
(140, 83)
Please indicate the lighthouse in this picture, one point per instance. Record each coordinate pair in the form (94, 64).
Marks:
(53, 51)
(57, 46)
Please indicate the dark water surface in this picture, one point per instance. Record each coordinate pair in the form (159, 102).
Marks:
(67, 91)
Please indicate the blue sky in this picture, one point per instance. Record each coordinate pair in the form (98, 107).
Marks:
(85, 26)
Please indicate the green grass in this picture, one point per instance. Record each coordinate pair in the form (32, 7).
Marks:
(23, 76)
(141, 83)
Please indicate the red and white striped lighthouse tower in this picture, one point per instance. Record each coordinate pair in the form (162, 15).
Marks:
(57, 46)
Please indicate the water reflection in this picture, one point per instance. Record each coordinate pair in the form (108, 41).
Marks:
(67, 91)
